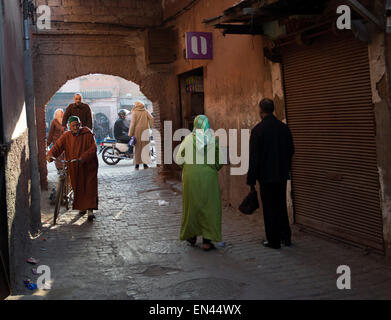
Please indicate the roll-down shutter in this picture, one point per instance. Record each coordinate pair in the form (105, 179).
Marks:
(330, 112)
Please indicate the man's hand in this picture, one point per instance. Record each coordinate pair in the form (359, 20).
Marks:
(49, 158)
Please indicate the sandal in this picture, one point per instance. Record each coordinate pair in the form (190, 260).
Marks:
(211, 247)
(192, 241)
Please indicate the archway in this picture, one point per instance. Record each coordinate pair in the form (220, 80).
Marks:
(59, 58)
(105, 94)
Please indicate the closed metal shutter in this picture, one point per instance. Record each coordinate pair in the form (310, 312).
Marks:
(330, 112)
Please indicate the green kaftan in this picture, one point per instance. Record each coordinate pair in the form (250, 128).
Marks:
(201, 197)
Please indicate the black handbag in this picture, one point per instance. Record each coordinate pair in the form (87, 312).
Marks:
(250, 203)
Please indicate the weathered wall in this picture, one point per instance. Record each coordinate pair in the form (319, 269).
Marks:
(59, 57)
(379, 50)
(234, 81)
(135, 13)
(173, 7)
(14, 117)
(380, 74)
(274, 83)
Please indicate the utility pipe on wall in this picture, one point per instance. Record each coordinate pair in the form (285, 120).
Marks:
(35, 208)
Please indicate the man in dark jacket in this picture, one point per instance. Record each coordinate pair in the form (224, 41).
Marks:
(79, 109)
(121, 127)
(271, 152)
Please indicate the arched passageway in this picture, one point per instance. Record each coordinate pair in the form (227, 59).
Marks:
(105, 94)
(61, 57)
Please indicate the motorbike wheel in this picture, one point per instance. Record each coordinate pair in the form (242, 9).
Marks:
(110, 152)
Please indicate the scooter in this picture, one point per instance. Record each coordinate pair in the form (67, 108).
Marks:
(114, 151)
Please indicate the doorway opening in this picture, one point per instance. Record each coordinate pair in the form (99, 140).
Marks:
(191, 92)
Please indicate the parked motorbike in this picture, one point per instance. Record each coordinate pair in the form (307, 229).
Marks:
(113, 151)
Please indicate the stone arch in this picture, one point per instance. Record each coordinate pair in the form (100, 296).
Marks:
(59, 58)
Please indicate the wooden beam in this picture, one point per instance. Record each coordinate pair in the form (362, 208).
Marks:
(240, 29)
(365, 13)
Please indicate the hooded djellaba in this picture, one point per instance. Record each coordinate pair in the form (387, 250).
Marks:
(80, 145)
(141, 120)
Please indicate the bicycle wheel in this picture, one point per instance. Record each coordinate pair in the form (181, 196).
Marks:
(59, 196)
(65, 196)
(66, 192)
(108, 154)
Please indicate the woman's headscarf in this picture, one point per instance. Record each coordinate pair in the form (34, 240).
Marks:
(202, 132)
(58, 115)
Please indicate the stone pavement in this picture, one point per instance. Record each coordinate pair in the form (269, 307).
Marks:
(132, 251)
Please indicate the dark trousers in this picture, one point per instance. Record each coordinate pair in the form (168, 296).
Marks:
(123, 139)
(275, 212)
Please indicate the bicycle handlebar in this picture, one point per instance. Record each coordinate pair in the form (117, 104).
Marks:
(65, 161)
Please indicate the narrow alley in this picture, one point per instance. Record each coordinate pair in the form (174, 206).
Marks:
(132, 251)
(291, 101)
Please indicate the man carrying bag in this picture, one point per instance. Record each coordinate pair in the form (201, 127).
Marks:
(271, 152)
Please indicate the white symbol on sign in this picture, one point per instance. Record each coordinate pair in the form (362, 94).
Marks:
(43, 21)
(43, 281)
(344, 281)
(344, 21)
(194, 45)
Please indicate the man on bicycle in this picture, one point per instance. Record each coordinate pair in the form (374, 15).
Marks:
(79, 143)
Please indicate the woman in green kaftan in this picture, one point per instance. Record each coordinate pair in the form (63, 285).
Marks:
(198, 155)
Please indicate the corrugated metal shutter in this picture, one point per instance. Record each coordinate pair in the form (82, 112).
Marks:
(330, 112)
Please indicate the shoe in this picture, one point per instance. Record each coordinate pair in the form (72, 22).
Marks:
(210, 247)
(192, 241)
(267, 244)
(136, 167)
(146, 166)
(82, 212)
(91, 216)
(287, 242)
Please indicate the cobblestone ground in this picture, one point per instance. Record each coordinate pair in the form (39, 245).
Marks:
(132, 251)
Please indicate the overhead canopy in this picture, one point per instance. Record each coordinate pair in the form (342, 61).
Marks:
(250, 16)
(247, 16)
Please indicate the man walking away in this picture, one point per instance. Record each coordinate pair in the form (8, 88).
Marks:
(78, 109)
(271, 152)
(141, 120)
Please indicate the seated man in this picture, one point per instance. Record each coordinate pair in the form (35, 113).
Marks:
(79, 143)
(120, 127)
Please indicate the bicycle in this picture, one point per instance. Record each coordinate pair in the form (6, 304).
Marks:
(64, 193)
